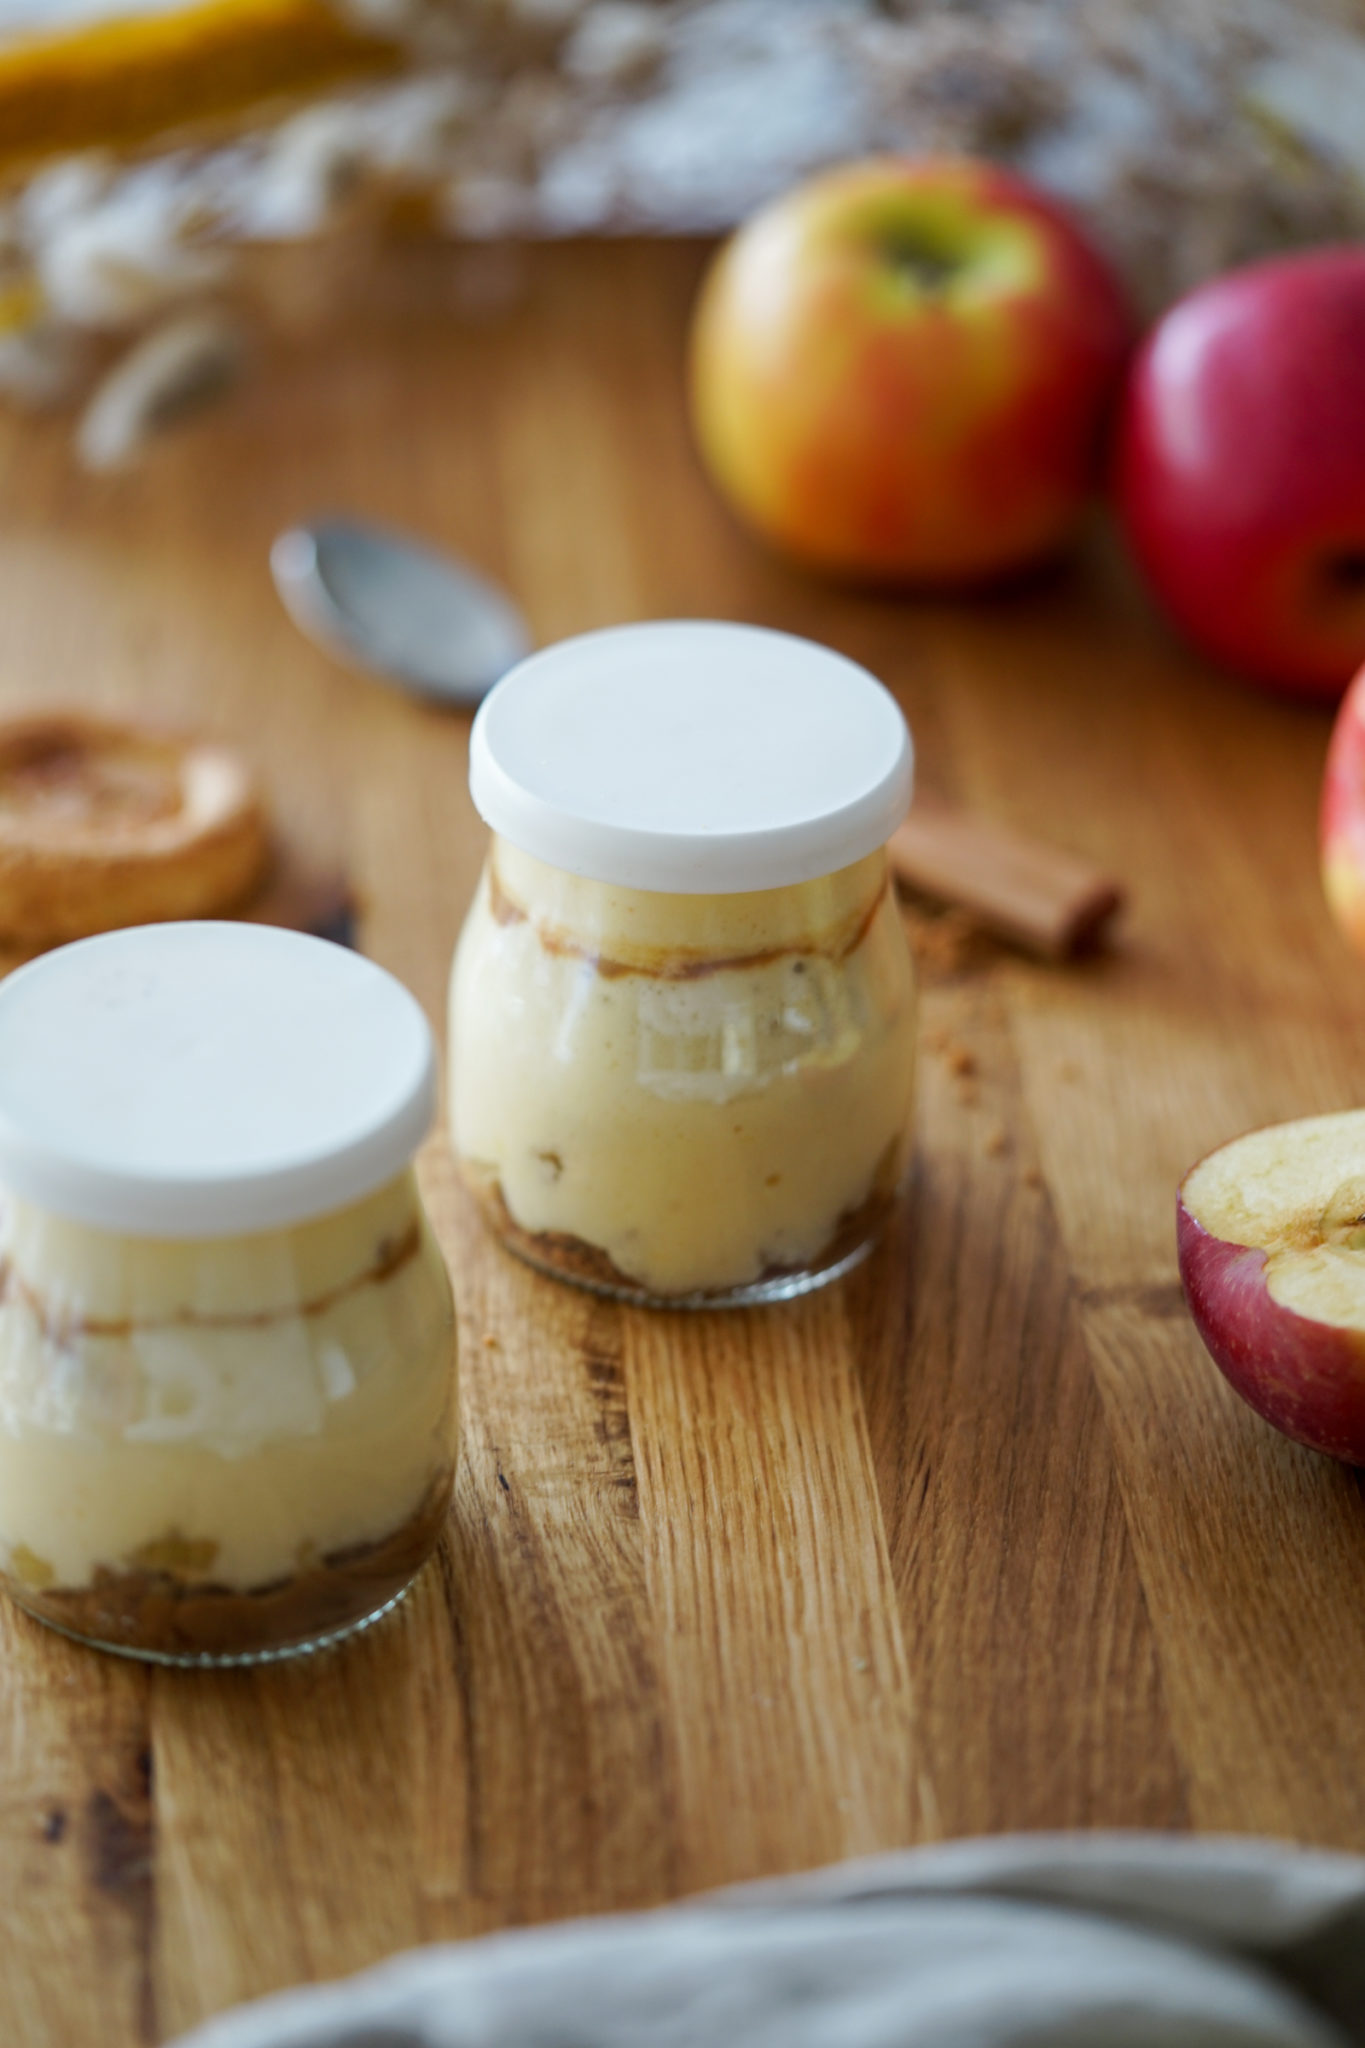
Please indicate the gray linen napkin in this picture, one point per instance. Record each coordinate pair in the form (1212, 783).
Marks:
(1074, 1941)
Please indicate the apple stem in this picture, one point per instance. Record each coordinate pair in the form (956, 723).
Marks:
(925, 268)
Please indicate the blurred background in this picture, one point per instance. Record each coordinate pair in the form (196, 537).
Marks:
(164, 156)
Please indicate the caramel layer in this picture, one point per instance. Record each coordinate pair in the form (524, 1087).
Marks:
(63, 1329)
(660, 964)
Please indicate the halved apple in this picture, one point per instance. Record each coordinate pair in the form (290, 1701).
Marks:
(1271, 1236)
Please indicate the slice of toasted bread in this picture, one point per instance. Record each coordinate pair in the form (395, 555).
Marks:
(105, 824)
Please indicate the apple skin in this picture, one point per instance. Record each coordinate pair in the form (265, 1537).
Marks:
(1305, 1377)
(1343, 817)
(1241, 470)
(904, 369)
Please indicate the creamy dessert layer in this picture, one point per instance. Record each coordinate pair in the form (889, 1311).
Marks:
(226, 1413)
(701, 1089)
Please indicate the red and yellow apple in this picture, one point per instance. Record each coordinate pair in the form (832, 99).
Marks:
(1342, 823)
(1271, 1237)
(904, 370)
(1242, 468)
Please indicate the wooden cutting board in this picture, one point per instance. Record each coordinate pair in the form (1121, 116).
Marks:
(978, 1539)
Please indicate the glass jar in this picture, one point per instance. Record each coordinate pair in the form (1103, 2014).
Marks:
(227, 1390)
(683, 1006)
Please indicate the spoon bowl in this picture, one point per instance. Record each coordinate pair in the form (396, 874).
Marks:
(397, 609)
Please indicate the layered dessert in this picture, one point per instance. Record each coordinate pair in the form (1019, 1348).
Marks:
(682, 1097)
(221, 1449)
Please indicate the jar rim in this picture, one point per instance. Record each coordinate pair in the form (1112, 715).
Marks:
(692, 756)
(202, 1080)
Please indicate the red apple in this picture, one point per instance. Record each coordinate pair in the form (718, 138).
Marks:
(1242, 468)
(1343, 817)
(904, 369)
(1271, 1236)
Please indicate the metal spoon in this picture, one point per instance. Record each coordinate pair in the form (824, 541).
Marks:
(398, 609)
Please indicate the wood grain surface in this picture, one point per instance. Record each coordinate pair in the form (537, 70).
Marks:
(976, 1540)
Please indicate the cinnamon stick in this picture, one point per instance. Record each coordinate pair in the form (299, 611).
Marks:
(1053, 904)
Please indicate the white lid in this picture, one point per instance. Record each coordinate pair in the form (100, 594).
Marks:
(203, 1080)
(691, 756)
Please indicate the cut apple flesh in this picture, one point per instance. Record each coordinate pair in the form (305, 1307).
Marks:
(1297, 1193)
(1271, 1233)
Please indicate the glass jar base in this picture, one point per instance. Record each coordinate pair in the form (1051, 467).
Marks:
(145, 1611)
(772, 1287)
(223, 1660)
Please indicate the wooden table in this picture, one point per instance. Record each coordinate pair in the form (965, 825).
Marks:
(976, 1540)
